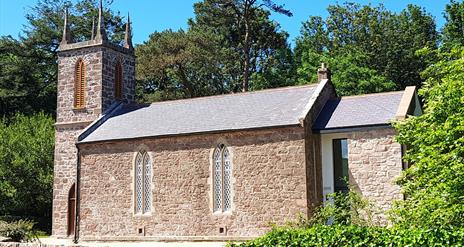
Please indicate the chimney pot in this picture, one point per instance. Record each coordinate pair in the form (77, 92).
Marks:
(323, 73)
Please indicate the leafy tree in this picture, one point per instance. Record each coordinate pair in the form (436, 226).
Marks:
(350, 73)
(179, 64)
(208, 57)
(453, 31)
(247, 31)
(22, 79)
(433, 186)
(28, 82)
(26, 165)
(371, 45)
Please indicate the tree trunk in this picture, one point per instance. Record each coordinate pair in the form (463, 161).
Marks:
(246, 49)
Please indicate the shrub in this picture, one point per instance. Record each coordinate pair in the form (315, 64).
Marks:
(18, 231)
(434, 185)
(353, 235)
(26, 168)
(341, 209)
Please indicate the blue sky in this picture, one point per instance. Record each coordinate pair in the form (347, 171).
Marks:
(156, 15)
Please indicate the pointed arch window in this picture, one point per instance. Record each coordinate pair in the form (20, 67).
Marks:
(222, 179)
(79, 86)
(118, 86)
(143, 180)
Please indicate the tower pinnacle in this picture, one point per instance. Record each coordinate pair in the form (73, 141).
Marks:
(66, 39)
(128, 35)
(101, 33)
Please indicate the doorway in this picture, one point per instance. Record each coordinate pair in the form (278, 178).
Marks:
(72, 210)
(335, 171)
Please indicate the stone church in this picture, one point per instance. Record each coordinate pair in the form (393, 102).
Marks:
(212, 168)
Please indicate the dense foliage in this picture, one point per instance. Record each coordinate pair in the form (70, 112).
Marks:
(341, 209)
(353, 235)
(26, 166)
(369, 48)
(434, 185)
(453, 31)
(179, 64)
(346, 220)
(18, 231)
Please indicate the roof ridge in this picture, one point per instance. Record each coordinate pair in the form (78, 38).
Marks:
(233, 94)
(371, 94)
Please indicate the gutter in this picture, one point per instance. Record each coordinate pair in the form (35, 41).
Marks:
(352, 128)
(187, 134)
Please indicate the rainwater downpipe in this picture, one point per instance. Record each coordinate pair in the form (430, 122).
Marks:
(78, 201)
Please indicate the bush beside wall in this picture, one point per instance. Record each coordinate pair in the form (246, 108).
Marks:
(353, 235)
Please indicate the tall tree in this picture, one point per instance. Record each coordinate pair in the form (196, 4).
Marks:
(382, 41)
(453, 31)
(28, 82)
(179, 64)
(247, 30)
(208, 57)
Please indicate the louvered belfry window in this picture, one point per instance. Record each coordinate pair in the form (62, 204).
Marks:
(118, 81)
(79, 87)
(222, 179)
(143, 179)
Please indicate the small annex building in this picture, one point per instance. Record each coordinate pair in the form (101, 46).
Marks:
(211, 168)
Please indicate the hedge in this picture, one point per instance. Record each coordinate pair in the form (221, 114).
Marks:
(353, 235)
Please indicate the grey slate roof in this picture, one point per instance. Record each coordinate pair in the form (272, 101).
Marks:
(357, 111)
(266, 108)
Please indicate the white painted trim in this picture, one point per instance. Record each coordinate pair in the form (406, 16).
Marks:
(327, 161)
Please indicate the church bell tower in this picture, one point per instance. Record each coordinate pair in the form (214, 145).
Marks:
(93, 77)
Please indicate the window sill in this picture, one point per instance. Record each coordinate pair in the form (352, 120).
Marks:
(79, 109)
(142, 215)
(219, 213)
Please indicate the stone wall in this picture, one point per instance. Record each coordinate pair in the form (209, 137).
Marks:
(64, 174)
(269, 185)
(374, 160)
(110, 58)
(100, 61)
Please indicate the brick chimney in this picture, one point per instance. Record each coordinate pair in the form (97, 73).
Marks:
(323, 73)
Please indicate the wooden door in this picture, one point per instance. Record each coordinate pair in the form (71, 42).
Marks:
(72, 210)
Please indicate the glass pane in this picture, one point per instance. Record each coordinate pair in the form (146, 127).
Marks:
(227, 180)
(217, 183)
(147, 183)
(138, 184)
(340, 161)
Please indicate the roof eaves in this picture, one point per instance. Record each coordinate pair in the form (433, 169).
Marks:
(352, 128)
